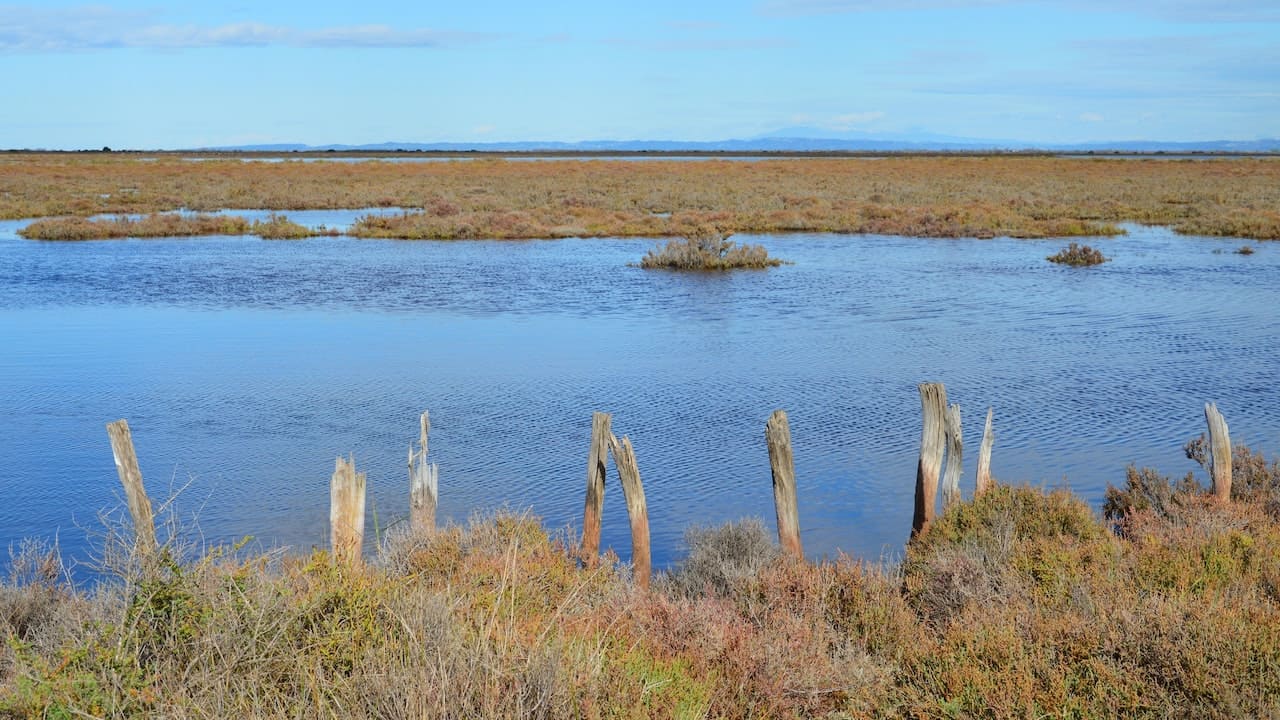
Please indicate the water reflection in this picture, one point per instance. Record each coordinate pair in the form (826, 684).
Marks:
(245, 366)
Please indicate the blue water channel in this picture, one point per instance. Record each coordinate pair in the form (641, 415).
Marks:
(245, 366)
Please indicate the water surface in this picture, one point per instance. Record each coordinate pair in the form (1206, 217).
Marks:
(245, 366)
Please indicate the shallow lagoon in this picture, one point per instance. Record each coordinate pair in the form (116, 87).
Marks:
(245, 366)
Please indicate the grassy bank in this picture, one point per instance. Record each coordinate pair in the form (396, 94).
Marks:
(913, 196)
(1023, 603)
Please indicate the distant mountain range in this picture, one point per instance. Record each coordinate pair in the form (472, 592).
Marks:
(792, 139)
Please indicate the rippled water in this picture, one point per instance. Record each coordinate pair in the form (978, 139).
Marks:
(245, 366)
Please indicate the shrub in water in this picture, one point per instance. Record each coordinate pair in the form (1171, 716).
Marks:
(708, 249)
(1077, 255)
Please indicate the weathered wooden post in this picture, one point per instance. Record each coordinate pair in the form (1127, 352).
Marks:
(424, 482)
(777, 433)
(933, 404)
(591, 513)
(144, 528)
(955, 458)
(624, 458)
(983, 482)
(346, 512)
(1219, 453)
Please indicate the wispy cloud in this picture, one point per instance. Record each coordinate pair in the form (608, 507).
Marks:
(38, 30)
(1245, 11)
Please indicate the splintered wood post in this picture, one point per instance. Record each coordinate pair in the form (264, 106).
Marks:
(624, 458)
(777, 433)
(933, 404)
(983, 481)
(346, 512)
(1219, 452)
(955, 458)
(424, 482)
(144, 527)
(596, 460)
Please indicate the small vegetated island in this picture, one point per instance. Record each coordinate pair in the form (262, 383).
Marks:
(983, 196)
(1077, 255)
(708, 249)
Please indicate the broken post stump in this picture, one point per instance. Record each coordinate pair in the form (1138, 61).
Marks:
(346, 512)
(983, 480)
(594, 507)
(144, 528)
(1219, 452)
(955, 458)
(777, 433)
(424, 482)
(933, 405)
(624, 459)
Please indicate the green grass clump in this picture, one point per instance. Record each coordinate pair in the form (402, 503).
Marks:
(1077, 255)
(708, 249)
(279, 227)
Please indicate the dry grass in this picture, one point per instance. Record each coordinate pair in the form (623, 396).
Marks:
(914, 196)
(1020, 604)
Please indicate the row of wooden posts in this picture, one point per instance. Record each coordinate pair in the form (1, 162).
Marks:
(940, 435)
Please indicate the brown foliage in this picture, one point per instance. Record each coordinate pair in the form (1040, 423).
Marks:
(914, 196)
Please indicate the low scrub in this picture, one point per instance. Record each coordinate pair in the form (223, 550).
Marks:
(1020, 603)
(708, 250)
(1077, 255)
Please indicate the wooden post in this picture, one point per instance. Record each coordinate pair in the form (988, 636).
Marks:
(424, 482)
(624, 458)
(983, 482)
(596, 460)
(933, 404)
(144, 527)
(777, 433)
(955, 458)
(1219, 452)
(346, 512)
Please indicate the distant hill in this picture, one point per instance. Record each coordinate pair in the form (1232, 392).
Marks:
(795, 139)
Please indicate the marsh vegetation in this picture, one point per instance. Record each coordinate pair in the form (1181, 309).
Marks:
(1021, 600)
(913, 196)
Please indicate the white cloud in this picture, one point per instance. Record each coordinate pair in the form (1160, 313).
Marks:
(1091, 117)
(30, 29)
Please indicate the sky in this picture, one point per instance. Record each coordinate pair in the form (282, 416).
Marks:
(159, 75)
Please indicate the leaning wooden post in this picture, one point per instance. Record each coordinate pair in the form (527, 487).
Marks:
(1219, 452)
(624, 458)
(777, 433)
(983, 482)
(596, 460)
(933, 404)
(144, 527)
(424, 482)
(346, 512)
(955, 458)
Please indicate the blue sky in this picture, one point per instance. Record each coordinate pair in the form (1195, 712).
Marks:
(166, 75)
